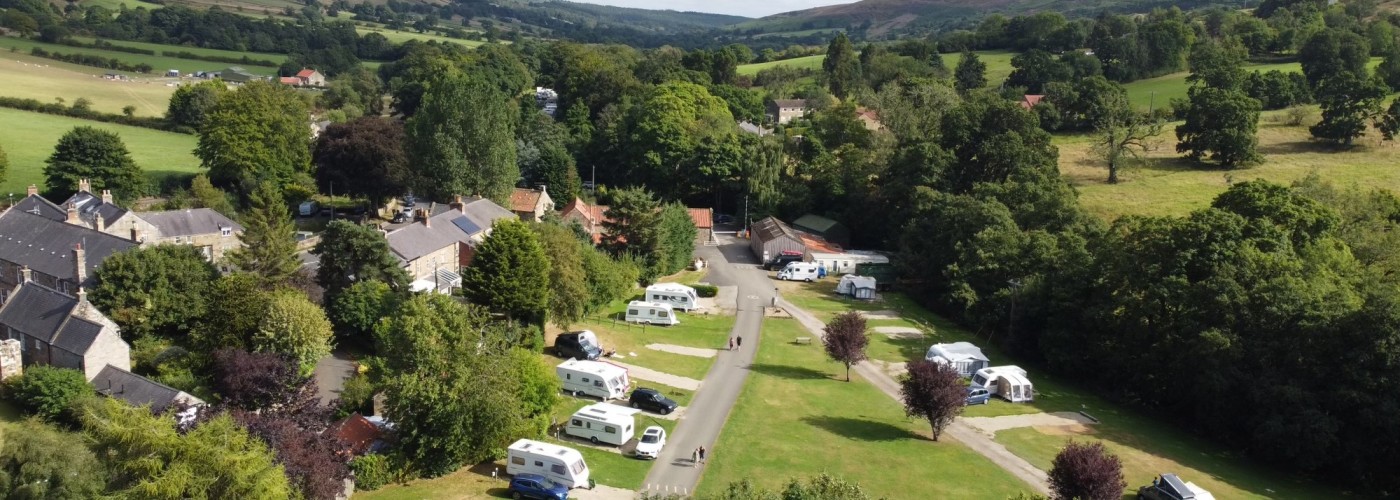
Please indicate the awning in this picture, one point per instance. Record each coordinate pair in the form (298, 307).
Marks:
(448, 279)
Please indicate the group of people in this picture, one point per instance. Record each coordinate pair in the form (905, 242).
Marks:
(736, 342)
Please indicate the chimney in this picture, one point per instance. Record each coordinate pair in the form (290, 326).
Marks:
(84, 186)
(107, 196)
(25, 275)
(101, 225)
(457, 203)
(542, 188)
(79, 267)
(31, 190)
(136, 235)
(73, 214)
(427, 219)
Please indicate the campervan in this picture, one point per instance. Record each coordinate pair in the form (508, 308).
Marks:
(655, 313)
(563, 465)
(603, 423)
(677, 295)
(800, 271)
(1009, 382)
(593, 378)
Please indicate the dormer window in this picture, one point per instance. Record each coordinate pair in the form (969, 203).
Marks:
(225, 231)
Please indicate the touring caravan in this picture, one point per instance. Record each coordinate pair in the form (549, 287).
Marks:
(800, 271)
(603, 423)
(860, 287)
(560, 464)
(1009, 382)
(678, 296)
(845, 262)
(593, 378)
(964, 356)
(656, 313)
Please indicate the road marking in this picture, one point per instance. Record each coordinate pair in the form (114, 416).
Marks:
(751, 297)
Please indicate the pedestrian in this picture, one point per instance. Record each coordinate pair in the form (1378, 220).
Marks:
(731, 343)
(695, 456)
(702, 454)
(739, 341)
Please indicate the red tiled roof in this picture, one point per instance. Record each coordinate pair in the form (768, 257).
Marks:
(701, 217)
(290, 80)
(306, 73)
(524, 200)
(358, 433)
(600, 213)
(580, 206)
(1031, 100)
(816, 243)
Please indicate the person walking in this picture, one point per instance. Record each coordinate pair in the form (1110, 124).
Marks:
(695, 456)
(739, 341)
(731, 343)
(702, 455)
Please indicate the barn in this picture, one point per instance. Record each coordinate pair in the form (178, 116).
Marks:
(770, 237)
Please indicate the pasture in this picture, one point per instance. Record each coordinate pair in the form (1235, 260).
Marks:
(29, 139)
(158, 63)
(45, 80)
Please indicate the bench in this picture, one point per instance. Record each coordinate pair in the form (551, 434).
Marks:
(802, 340)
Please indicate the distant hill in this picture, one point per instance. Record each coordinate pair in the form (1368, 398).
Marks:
(657, 20)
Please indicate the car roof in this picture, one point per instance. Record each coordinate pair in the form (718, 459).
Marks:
(645, 390)
(653, 428)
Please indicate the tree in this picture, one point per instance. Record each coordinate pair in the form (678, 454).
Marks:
(232, 320)
(677, 239)
(971, 73)
(845, 339)
(39, 461)
(1221, 124)
(1389, 69)
(670, 135)
(254, 134)
(351, 253)
(934, 392)
(363, 157)
(1331, 52)
(190, 104)
(314, 458)
(1034, 69)
(48, 392)
(567, 282)
(633, 225)
(207, 196)
(254, 380)
(1348, 103)
(462, 140)
(164, 289)
(98, 156)
(19, 21)
(295, 327)
(1125, 139)
(269, 248)
(607, 279)
(841, 67)
(355, 311)
(1086, 471)
(149, 458)
(1389, 122)
(510, 273)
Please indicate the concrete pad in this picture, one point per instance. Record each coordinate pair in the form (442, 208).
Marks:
(698, 352)
(602, 492)
(882, 314)
(643, 373)
(900, 332)
(991, 425)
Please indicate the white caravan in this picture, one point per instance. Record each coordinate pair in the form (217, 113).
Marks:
(1009, 382)
(593, 378)
(964, 356)
(678, 296)
(800, 271)
(603, 423)
(560, 464)
(656, 313)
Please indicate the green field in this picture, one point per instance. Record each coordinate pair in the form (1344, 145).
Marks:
(797, 418)
(158, 48)
(998, 64)
(809, 62)
(44, 80)
(29, 139)
(159, 63)
(115, 5)
(1147, 447)
(399, 36)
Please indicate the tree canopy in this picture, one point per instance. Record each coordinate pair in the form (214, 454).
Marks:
(462, 140)
(510, 273)
(98, 156)
(256, 134)
(159, 290)
(351, 253)
(269, 248)
(363, 157)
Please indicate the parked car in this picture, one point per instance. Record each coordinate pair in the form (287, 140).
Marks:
(536, 486)
(724, 219)
(1171, 487)
(651, 442)
(783, 260)
(577, 345)
(978, 395)
(400, 218)
(652, 400)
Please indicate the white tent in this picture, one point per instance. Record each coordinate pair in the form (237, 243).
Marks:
(860, 287)
(964, 356)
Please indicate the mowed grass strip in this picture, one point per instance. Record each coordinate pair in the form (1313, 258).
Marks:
(35, 78)
(158, 63)
(29, 139)
(797, 417)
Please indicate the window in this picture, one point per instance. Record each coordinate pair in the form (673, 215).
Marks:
(577, 423)
(177, 240)
(517, 460)
(585, 380)
(610, 429)
(568, 376)
(539, 463)
(661, 313)
(225, 231)
(683, 299)
(36, 344)
(557, 469)
(632, 312)
(597, 383)
(577, 467)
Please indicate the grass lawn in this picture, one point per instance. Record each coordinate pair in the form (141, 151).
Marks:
(796, 418)
(998, 64)
(158, 63)
(694, 330)
(29, 139)
(36, 78)
(465, 483)
(1166, 184)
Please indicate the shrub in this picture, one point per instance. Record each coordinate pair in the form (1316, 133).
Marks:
(704, 290)
(372, 472)
(356, 396)
(48, 392)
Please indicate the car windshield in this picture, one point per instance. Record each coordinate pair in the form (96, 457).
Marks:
(650, 438)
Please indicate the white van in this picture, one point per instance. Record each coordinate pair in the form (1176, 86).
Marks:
(603, 423)
(677, 295)
(655, 313)
(560, 464)
(307, 208)
(800, 271)
(1010, 382)
(593, 378)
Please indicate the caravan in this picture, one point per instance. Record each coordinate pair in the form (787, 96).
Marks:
(678, 296)
(800, 271)
(1009, 382)
(593, 378)
(860, 287)
(603, 423)
(964, 356)
(655, 313)
(562, 465)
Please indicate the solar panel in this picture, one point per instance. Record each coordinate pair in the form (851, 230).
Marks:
(466, 225)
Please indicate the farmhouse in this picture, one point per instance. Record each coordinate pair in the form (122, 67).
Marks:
(870, 119)
(439, 243)
(1029, 101)
(530, 204)
(781, 111)
(308, 77)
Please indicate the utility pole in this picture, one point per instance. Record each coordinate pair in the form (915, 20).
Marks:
(594, 182)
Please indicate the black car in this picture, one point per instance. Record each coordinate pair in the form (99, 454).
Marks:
(782, 261)
(577, 345)
(652, 400)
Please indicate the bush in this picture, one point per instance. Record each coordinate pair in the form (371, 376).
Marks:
(704, 290)
(372, 472)
(48, 392)
(356, 396)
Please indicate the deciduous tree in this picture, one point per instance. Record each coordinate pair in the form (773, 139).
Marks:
(1220, 124)
(232, 319)
(356, 310)
(363, 157)
(1349, 103)
(568, 285)
(510, 273)
(48, 392)
(351, 253)
(207, 196)
(1122, 140)
(1331, 52)
(462, 140)
(269, 248)
(934, 392)
(295, 327)
(190, 104)
(254, 134)
(162, 289)
(1086, 471)
(845, 339)
(98, 156)
(254, 380)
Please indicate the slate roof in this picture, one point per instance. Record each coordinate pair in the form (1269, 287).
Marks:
(188, 222)
(46, 245)
(483, 213)
(37, 311)
(701, 217)
(416, 240)
(77, 335)
(90, 206)
(790, 103)
(137, 390)
(38, 205)
(524, 200)
(753, 129)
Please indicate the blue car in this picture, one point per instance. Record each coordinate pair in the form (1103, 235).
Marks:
(977, 395)
(536, 486)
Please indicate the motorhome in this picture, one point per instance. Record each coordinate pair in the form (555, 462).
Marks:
(593, 378)
(677, 295)
(560, 464)
(656, 313)
(800, 271)
(603, 423)
(1009, 382)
